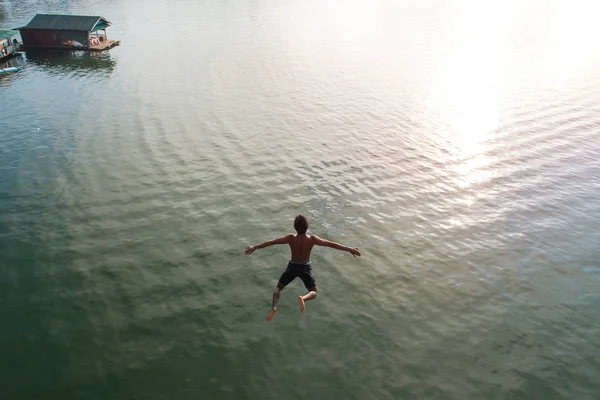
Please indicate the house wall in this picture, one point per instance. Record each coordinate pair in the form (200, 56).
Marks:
(47, 38)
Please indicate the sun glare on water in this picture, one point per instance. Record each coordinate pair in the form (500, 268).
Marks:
(470, 84)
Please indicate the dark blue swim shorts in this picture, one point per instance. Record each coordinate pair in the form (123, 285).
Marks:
(298, 270)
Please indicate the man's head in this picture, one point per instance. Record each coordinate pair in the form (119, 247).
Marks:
(301, 224)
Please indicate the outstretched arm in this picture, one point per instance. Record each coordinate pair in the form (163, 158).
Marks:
(322, 242)
(280, 240)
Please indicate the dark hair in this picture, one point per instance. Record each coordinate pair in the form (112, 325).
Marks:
(301, 224)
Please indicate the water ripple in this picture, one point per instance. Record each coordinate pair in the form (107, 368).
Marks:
(132, 181)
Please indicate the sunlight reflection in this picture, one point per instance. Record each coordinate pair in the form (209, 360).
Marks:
(565, 54)
(352, 21)
(468, 89)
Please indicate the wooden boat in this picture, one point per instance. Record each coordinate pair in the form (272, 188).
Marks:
(9, 69)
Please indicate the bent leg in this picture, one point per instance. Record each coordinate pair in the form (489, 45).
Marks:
(312, 293)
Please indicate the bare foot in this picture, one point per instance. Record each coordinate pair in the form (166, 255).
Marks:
(302, 306)
(271, 313)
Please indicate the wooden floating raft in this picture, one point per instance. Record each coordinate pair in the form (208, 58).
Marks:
(105, 45)
(108, 44)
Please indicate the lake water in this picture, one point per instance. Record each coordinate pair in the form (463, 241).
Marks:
(455, 143)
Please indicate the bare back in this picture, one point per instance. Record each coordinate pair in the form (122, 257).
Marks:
(301, 245)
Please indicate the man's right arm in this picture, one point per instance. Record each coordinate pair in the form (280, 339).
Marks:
(322, 242)
(280, 240)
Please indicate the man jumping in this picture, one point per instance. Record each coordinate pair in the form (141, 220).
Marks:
(299, 266)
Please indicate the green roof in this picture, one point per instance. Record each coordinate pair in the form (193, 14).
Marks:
(102, 24)
(7, 33)
(57, 22)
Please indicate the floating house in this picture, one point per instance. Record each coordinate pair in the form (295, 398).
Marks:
(9, 43)
(76, 32)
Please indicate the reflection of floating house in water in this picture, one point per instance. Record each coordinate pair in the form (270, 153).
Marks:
(9, 43)
(67, 61)
(75, 32)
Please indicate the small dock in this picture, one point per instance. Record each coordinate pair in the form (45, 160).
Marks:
(99, 46)
(104, 45)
